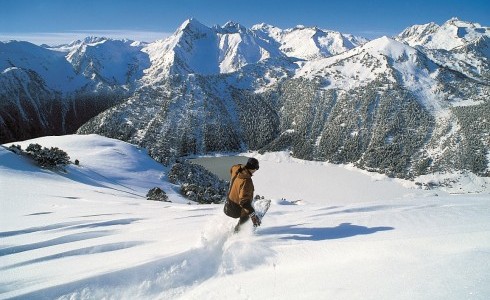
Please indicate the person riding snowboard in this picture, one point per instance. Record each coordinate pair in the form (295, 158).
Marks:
(242, 191)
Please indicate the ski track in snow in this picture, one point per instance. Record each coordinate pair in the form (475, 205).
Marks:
(219, 252)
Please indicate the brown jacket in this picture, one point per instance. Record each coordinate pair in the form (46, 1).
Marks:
(242, 190)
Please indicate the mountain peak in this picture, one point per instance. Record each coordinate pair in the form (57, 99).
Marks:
(94, 39)
(231, 27)
(454, 21)
(388, 47)
(263, 26)
(232, 24)
(418, 30)
(192, 25)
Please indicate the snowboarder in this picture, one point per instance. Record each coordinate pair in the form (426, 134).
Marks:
(242, 191)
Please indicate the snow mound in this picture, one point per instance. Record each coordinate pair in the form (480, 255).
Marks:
(110, 163)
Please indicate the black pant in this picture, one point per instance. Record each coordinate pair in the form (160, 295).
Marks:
(243, 219)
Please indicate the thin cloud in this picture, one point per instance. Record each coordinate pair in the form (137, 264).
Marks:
(59, 38)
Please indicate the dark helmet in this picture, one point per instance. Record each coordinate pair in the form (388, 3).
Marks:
(252, 164)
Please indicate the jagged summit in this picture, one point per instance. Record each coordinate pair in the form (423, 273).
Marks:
(262, 26)
(196, 48)
(89, 40)
(458, 45)
(231, 27)
(418, 31)
(455, 21)
(192, 24)
(114, 62)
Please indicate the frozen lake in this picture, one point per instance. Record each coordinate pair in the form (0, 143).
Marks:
(220, 165)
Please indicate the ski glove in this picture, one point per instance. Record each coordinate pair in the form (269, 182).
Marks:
(255, 219)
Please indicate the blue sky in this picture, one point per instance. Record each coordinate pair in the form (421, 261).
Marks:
(57, 21)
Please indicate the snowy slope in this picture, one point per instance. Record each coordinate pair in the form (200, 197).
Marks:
(240, 46)
(338, 233)
(366, 64)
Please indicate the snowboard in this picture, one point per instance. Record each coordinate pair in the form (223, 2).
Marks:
(261, 206)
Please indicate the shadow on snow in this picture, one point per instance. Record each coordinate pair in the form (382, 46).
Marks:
(166, 277)
(343, 230)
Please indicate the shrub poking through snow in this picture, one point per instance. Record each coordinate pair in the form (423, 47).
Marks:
(16, 149)
(50, 158)
(157, 194)
(197, 183)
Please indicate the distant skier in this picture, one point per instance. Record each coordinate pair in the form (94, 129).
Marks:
(242, 191)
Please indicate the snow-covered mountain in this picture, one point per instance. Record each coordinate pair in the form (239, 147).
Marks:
(113, 62)
(452, 34)
(197, 49)
(95, 73)
(56, 72)
(459, 45)
(403, 106)
(54, 91)
(309, 43)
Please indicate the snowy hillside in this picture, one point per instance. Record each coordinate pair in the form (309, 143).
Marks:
(362, 65)
(332, 232)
